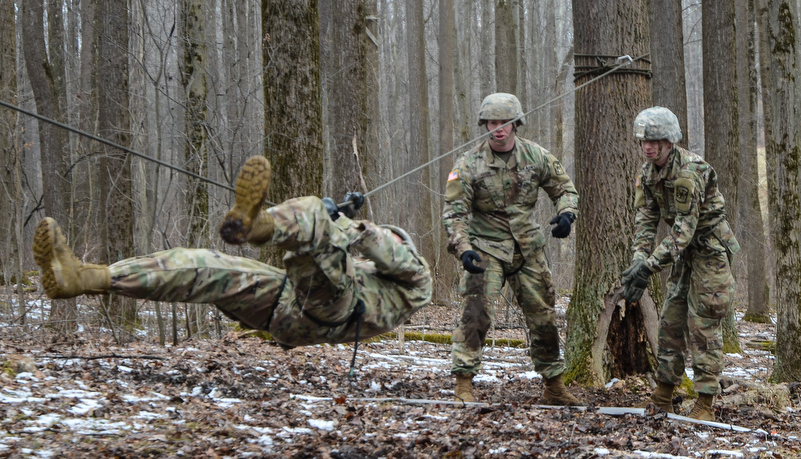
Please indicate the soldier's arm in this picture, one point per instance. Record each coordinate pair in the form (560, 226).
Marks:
(457, 209)
(688, 196)
(558, 186)
(645, 222)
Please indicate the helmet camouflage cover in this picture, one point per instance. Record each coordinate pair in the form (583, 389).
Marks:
(500, 106)
(657, 123)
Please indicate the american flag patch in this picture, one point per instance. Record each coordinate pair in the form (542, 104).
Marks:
(453, 175)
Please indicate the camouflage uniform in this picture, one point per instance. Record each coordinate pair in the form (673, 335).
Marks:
(699, 245)
(314, 300)
(489, 208)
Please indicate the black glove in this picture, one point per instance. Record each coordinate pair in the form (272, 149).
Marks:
(468, 257)
(356, 202)
(562, 222)
(635, 281)
(331, 207)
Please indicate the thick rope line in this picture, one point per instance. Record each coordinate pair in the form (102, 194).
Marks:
(627, 60)
(113, 145)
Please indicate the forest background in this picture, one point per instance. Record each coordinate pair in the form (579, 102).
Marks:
(380, 96)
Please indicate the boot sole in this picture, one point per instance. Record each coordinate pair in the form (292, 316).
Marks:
(45, 239)
(251, 191)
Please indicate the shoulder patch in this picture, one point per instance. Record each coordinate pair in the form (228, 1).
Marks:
(453, 175)
(683, 194)
(557, 168)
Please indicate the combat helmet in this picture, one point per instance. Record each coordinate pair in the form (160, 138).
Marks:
(657, 123)
(500, 106)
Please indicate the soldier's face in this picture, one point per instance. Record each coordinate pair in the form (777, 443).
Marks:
(501, 138)
(656, 151)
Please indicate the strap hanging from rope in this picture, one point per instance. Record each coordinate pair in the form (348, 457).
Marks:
(358, 312)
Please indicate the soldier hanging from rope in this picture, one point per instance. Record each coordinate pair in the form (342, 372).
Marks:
(344, 280)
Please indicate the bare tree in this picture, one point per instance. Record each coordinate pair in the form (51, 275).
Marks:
(721, 118)
(603, 339)
(420, 220)
(349, 54)
(115, 166)
(780, 45)
(45, 70)
(751, 234)
(506, 47)
(292, 101)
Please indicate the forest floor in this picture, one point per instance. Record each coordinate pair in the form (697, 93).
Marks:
(240, 396)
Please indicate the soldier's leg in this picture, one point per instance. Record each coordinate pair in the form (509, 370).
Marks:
(242, 288)
(672, 326)
(710, 298)
(535, 291)
(477, 291)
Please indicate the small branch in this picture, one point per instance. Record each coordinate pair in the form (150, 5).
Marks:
(108, 356)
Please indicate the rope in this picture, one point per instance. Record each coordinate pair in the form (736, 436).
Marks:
(626, 60)
(112, 144)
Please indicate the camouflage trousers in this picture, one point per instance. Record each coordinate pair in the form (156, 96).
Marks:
(314, 299)
(533, 286)
(700, 293)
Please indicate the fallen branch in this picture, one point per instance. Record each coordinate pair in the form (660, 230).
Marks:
(108, 356)
(608, 410)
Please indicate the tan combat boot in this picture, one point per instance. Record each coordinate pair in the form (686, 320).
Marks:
(246, 221)
(63, 274)
(703, 410)
(464, 388)
(556, 393)
(662, 397)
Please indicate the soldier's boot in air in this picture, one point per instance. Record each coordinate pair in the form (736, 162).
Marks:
(556, 393)
(464, 388)
(662, 397)
(63, 274)
(247, 221)
(703, 410)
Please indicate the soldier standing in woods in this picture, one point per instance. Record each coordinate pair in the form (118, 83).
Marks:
(489, 215)
(325, 295)
(680, 188)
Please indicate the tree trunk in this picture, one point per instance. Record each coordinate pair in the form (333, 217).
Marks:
(506, 47)
(196, 124)
(115, 166)
(779, 58)
(46, 82)
(446, 276)
(422, 220)
(751, 234)
(349, 54)
(721, 118)
(604, 339)
(292, 102)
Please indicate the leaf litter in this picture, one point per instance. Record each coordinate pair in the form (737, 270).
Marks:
(240, 396)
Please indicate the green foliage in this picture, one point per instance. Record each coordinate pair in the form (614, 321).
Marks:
(687, 388)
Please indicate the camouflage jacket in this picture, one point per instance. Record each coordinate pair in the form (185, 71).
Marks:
(490, 204)
(684, 193)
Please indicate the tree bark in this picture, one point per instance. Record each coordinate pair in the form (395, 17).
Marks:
(293, 133)
(605, 339)
(779, 58)
(422, 220)
(506, 47)
(751, 234)
(721, 118)
(46, 79)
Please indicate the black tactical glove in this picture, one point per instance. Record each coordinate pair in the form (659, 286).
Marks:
(635, 281)
(356, 202)
(562, 222)
(331, 207)
(468, 257)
